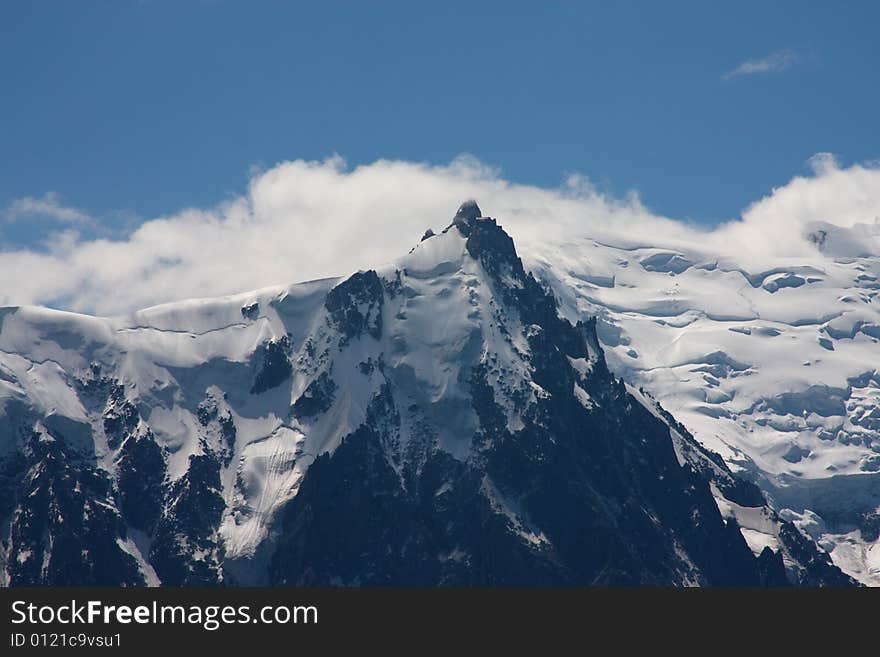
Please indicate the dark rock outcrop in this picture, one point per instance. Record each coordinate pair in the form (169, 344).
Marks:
(355, 306)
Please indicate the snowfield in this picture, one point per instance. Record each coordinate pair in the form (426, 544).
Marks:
(772, 362)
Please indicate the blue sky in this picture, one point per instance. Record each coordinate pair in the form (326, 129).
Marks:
(131, 110)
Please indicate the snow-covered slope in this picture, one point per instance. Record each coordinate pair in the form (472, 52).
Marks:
(431, 421)
(771, 362)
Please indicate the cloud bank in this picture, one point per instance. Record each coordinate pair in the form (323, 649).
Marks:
(772, 63)
(302, 220)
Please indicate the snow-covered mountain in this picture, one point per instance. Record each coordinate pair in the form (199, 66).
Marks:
(772, 362)
(437, 421)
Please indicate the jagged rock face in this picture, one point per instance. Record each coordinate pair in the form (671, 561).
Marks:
(188, 527)
(317, 398)
(273, 365)
(355, 306)
(140, 478)
(433, 422)
(66, 528)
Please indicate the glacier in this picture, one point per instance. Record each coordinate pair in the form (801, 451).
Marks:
(770, 361)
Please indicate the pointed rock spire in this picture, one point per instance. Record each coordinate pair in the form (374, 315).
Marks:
(468, 212)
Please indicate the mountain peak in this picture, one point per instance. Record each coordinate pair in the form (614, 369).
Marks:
(433, 422)
(467, 213)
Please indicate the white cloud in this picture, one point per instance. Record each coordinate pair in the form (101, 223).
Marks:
(301, 220)
(772, 63)
(49, 205)
(775, 226)
(823, 163)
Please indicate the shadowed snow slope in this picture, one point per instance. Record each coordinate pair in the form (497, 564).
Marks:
(436, 421)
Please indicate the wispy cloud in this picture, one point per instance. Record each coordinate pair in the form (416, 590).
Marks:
(772, 63)
(49, 205)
